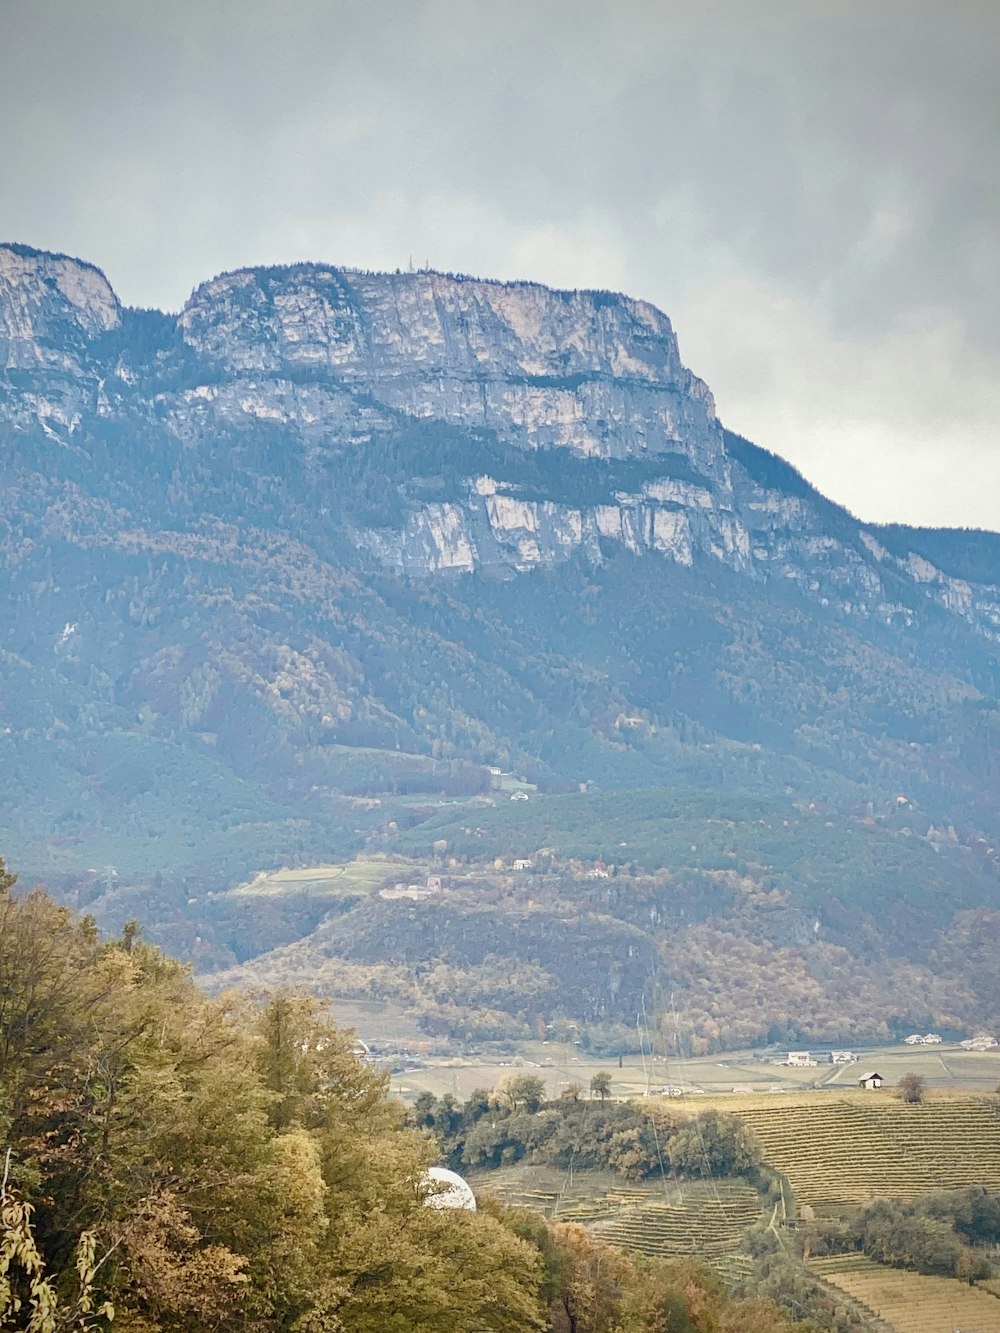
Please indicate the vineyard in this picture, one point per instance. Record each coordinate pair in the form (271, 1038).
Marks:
(705, 1219)
(658, 1218)
(835, 1150)
(845, 1151)
(909, 1302)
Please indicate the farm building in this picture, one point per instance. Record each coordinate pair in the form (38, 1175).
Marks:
(800, 1059)
(870, 1081)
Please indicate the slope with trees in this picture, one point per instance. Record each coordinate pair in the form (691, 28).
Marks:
(176, 1162)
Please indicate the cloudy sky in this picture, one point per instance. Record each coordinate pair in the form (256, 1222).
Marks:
(810, 188)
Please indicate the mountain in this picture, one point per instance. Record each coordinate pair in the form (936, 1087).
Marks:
(288, 573)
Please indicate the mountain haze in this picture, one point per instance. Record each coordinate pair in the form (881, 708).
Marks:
(286, 571)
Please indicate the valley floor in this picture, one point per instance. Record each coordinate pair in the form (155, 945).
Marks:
(736, 1075)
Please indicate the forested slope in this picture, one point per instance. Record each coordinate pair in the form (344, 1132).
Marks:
(171, 1162)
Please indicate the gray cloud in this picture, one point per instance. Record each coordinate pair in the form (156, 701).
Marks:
(810, 189)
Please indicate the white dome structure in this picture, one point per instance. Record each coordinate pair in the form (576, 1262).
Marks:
(450, 1190)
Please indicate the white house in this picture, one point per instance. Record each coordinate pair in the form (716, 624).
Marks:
(870, 1081)
(800, 1059)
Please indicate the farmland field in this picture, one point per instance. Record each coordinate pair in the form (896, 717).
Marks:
(840, 1150)
(345, 879)
(910, 1302)
(958, 1073)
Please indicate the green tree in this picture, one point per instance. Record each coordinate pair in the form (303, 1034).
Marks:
(714, 1142)
(595, 1280)
(218, 1164)
(438, 1270)
(678, 1296)
(28, 1295)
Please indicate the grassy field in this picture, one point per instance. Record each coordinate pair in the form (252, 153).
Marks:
(339, 880)
(910, 1302)
(377, 1022)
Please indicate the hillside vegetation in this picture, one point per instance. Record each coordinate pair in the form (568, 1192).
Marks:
(280, 594)
(729, 923)
(690, 1177)
(172, 1162)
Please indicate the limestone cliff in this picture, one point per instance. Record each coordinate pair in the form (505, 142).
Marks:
(587, 371)
(52, 311)
(338, 359)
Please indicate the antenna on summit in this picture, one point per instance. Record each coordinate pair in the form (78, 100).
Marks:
(410, 269)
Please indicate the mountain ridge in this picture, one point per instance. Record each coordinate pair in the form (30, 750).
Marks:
(290, 570)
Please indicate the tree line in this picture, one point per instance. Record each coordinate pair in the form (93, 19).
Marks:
(948, 1233)
(515, 1122)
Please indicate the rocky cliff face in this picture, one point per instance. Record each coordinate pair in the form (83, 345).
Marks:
(287, 574)
(337, 359)
(52, 311)
(597, 374)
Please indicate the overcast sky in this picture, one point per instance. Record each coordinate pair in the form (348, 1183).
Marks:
(809, 188)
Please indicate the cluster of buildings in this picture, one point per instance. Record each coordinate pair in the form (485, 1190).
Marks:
(982, 1041)
(431, 888)
(806, 1059)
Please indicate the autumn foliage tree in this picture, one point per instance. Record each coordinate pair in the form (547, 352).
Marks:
(231, 1164)
(208, 1165)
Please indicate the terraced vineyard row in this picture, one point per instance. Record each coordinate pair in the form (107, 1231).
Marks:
(582, 1203)
(702, 1222)
(523, 1186)
(664, 1217)
(910, 1302)
(848, 1151)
